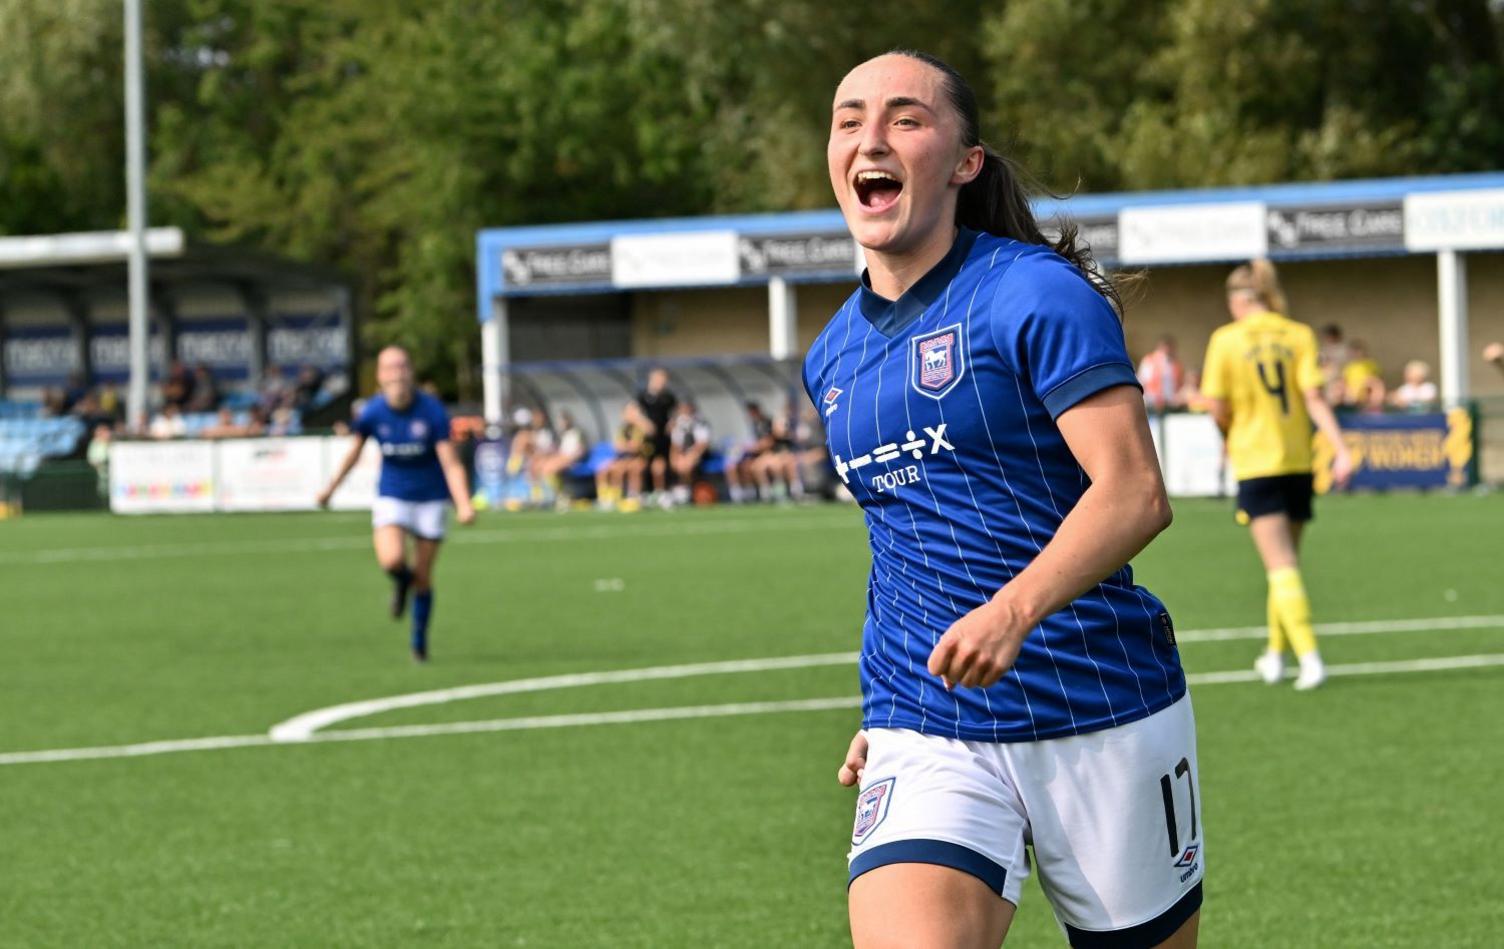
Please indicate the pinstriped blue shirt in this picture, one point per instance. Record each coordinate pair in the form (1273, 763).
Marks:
(939, 412)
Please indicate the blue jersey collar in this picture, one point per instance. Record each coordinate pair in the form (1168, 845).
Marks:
(891, 317)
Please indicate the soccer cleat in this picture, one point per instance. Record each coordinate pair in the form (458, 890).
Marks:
(1270, 666)
(1312, 672)
(400, 584)
(420, 655)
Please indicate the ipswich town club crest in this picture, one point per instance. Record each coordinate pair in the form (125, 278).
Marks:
(937, 361)
(871, 808)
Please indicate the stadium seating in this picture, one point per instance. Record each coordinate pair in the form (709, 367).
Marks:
(19, 410)
(196, 423)
(26, 441)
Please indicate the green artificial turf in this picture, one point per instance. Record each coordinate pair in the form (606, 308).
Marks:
(1365, 814)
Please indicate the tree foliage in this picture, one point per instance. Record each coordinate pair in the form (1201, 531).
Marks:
(379, 135)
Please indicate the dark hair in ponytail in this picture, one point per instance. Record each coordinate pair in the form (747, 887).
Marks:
(997, 199)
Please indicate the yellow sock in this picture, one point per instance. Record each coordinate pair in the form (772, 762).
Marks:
(1276, 628)
(1287, 596)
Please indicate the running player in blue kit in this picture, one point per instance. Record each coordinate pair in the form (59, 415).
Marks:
(420, 473)
(1019, 690)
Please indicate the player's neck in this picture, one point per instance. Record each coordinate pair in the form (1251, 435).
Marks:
(891, 275)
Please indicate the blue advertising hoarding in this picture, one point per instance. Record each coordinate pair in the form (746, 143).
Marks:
(1423, 450)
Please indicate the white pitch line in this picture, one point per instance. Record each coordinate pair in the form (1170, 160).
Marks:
(662, 528)
(1437, 623)
(632, 716)
(302, 726)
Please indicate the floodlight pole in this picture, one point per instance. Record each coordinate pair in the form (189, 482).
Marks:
(135, 189)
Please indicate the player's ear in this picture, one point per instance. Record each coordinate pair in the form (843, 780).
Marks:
(969, 166)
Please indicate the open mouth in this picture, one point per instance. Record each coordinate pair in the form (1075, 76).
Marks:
(877, 191)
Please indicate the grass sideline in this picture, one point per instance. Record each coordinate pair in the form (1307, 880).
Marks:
(1354, 816)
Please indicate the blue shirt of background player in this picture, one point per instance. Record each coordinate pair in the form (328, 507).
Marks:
(410, 469)
(940, 412)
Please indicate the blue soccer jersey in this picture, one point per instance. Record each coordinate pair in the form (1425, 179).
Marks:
(940, 415)
(410, 469)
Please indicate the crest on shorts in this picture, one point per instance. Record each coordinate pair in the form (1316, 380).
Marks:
(871, 808)
(937, 361)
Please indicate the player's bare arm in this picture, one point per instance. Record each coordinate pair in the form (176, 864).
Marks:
(352, 457)
(1125, 508)
(455, 478)
(1326, 423)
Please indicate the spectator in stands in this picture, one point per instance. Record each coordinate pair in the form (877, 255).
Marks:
(99, 458)
(224, 426)
(1362, 380)
(529, 446)
(284, 421)
(1162, 376)
(809, 447)
(1494, 353)
(777, 469)
(87, 410)
(310, 383)
(1190, 394)
(524, 431)
(689, 441)
(548, 469)
(168, 423)
(53, 403)
(109, 402)
(76, 390)
(619, 483)
(205, 397)
(273, 388)
(657, 402)
(177, 388)
(256, 422)
(1418, 393)
(1332, 357)
(741, 479)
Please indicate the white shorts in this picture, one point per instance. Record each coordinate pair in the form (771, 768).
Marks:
(1114, 817)
(424, 519)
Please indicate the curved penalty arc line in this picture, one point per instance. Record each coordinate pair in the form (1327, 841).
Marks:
(305, 726)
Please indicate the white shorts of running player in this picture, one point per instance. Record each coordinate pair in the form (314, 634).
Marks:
(1114, 817)
(425, 519)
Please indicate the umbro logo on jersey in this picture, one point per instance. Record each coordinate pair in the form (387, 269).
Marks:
(830, 401)
(937, 361)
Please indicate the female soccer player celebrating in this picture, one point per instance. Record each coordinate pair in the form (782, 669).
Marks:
(1018, 688)
(419, 472)
(1263, 387)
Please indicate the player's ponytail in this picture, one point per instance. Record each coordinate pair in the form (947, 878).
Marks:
(997, 200)
(1259, 277)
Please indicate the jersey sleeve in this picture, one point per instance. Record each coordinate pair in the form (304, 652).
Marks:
(365, 422)
(1307, 371)
(438, 421)
(1061, 335)
(1214, 370)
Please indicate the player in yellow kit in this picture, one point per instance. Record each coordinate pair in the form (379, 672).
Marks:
(1264, 390)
